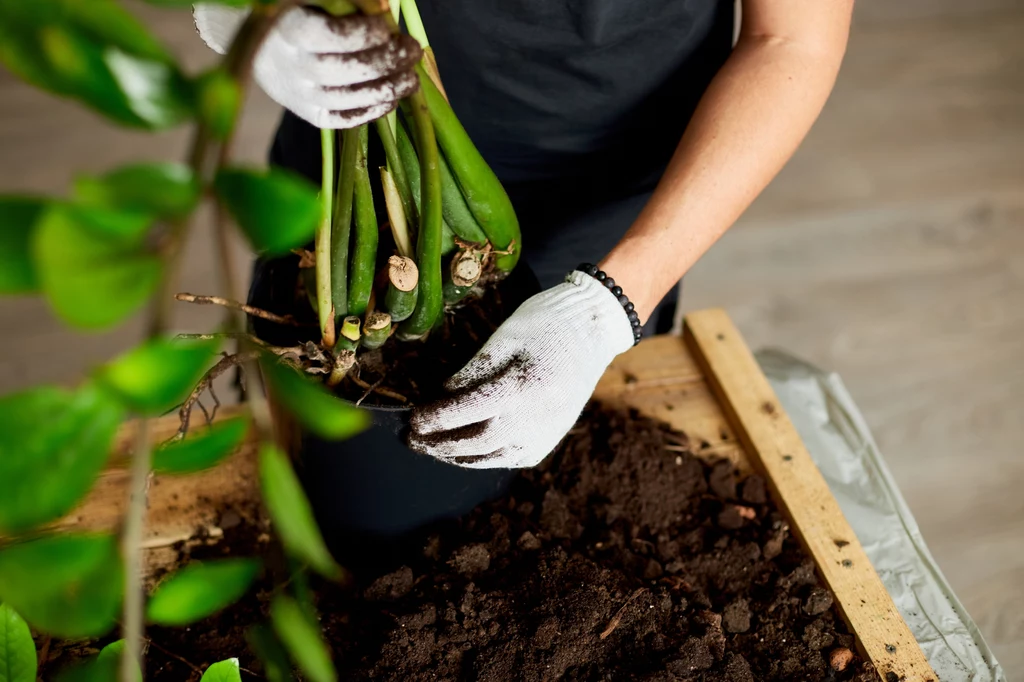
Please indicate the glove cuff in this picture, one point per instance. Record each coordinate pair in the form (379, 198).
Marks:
(608, 283)
(217, 24)
(593, 298)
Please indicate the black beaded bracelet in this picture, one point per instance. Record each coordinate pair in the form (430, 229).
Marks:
(603, 278)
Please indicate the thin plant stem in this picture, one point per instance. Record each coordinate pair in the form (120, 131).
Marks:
(414, 22)
(325, 307)
(131, 542)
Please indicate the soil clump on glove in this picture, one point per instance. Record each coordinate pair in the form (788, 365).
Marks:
(622, 557)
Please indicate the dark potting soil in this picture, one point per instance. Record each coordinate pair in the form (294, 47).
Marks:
(623, 557)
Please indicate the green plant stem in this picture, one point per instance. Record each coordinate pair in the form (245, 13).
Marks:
(341, 232)
(414, 22)
(364, 250)
(131, 539)
(428, 244)
(396, 167)
(325, 309)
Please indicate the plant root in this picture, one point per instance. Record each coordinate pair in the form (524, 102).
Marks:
(236, 305)
(617, 618)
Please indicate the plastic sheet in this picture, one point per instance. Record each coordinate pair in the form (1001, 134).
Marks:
(840, 443)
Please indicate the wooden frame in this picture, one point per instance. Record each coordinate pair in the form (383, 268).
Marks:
(705, 383)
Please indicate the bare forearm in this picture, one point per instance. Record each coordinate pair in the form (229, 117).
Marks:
(749, 122)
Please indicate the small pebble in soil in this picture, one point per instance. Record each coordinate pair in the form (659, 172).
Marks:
(840, 658)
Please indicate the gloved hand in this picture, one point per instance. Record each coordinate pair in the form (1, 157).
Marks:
(334, 72)
(523, 391)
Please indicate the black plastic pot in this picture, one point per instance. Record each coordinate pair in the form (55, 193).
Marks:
(372, 486)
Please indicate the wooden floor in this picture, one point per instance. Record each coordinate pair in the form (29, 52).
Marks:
(890, 250)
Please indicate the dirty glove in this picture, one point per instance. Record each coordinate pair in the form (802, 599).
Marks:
(334, 72)
(516, 399)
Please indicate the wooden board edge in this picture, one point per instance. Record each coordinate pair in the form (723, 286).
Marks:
(803, 495)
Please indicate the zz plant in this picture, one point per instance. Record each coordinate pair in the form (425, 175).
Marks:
(112, 247)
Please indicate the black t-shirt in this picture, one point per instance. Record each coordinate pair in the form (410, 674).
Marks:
(557, 88)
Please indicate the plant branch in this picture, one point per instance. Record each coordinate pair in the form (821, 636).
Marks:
(236, 305)
(131, 540)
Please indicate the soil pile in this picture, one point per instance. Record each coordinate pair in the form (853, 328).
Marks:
(623, 557)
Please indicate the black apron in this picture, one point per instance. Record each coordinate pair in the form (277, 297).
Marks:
(577, 105)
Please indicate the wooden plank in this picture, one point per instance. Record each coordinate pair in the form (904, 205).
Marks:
(660, 379)
(773, 445)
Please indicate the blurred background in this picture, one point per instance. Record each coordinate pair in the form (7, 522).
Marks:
(890, 250)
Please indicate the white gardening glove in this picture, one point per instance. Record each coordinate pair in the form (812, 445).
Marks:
(524, 390)
(334, 72)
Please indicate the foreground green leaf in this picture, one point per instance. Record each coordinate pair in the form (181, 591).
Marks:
(17, 650)
(95, 265)
(302, 638)
(97, 53)
(18, 217)
(271, 652)
(65, 585)
(108, 663)
(53, 445)
(200, 590)
(291, 512)
(203, 450)
(314, 406)
(161, 189)
(157, 375)
(223, 671)
(103, 667)
(219, 99)
(277, 209)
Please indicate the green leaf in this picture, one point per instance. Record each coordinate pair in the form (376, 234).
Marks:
(97, 53)
(200, 590)
(108, 663)
(65, 585)
(277, 209)
(17, 650)
(302, 638)
(18, 217)
(162, 189)
(53, 445)
(271, 653)
(223, 671)
(312, 404)
(291, 512)
(201, 451)
(220, 100)
(95, 265)
(157, 375)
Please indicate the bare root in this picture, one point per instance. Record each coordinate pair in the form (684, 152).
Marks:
(206, 383)
(236, 305)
